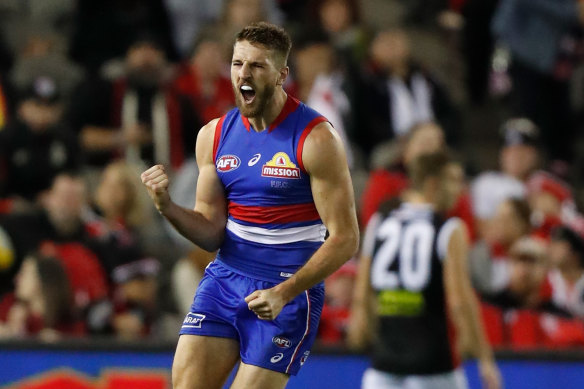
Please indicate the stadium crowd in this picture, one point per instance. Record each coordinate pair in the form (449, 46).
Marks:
(91, 93)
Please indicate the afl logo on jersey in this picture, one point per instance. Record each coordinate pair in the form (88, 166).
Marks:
(280, 166)
(227, 163)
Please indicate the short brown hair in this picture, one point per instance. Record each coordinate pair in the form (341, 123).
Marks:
(426, 166)
(269, 35)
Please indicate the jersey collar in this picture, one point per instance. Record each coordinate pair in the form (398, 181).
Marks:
(289, 107)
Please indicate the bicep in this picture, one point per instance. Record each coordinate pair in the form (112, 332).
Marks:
(330, 180)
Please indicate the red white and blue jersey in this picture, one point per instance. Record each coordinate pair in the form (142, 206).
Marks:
(273, 226)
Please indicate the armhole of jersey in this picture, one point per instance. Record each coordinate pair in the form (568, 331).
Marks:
(317, 120)
(369, 236)
(217, 138)
(444, 236)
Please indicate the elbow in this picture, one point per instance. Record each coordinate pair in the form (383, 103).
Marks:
(213, 244)
(347, 243)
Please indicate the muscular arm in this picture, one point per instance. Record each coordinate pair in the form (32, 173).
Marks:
(325, 161)
(205, 224)
(464, 306)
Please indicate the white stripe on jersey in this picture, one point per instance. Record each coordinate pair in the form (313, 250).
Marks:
(314, 233)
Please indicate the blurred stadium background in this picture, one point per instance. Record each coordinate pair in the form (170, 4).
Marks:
(94, 284)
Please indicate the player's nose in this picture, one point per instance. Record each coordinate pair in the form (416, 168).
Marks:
(245, 71)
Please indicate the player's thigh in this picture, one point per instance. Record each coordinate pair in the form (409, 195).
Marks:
(203, 362)
(250, 376)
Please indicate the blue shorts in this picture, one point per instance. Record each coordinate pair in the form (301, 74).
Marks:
(219, 309)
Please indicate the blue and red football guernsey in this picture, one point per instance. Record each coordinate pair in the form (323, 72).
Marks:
(273, 226)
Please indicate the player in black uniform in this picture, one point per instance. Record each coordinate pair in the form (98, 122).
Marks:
(414, 284)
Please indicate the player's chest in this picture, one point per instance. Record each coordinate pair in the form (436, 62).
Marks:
(257, 164)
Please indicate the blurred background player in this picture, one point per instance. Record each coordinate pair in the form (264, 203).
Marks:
(413, 273)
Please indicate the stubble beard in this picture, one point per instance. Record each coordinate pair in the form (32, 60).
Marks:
(259, 105)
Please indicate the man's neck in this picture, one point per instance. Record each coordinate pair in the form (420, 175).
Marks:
(273, 109)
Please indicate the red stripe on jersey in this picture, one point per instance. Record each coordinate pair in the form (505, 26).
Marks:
(217, 138)
(289, 107)
(277, 214)
(305, 133)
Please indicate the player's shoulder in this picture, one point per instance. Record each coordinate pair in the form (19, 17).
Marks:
(207, 132)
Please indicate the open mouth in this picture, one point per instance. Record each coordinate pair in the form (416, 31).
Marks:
(248, 93)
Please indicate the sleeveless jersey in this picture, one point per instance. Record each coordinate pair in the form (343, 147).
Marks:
(407, 246)
(273, 226)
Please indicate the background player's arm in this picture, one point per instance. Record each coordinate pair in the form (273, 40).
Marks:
(359, 332)
(205, 224)
(464, 306)
(325, 161)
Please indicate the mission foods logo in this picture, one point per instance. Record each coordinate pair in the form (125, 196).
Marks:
(227, 163)
(280, 166)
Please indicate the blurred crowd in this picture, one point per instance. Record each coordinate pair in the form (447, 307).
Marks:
(92, 93)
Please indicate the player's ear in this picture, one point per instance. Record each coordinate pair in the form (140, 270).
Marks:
(284, 71)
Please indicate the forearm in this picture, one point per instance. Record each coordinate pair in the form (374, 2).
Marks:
(334, 252)
(472, 325)
(194, 226)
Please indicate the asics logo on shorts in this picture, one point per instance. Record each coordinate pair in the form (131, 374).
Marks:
(277, 358)
(193, 320)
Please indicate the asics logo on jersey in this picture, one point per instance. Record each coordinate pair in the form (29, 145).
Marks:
(277, 358)
(227, 163)
(254, 160)
(193, 320)
(280, 166)
(281, 342)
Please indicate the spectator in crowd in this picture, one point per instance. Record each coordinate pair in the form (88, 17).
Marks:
(341, 20)
(320, 84)
(137, 115)
(518, 159)
(134, 310)
(42, 303)
(118, 22)
(205, 78)
(59, 228)
(552, 203)
(527, 268)
(534, 32)
(489, 257)
(398, 94)
(566, 279)
(36, 145)
(390, 179)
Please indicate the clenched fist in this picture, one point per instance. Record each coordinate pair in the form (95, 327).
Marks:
(266, 303)
(156, 181)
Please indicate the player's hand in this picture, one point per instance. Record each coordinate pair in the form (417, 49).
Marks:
(490, 375)
(266, 303)
(156, 181)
